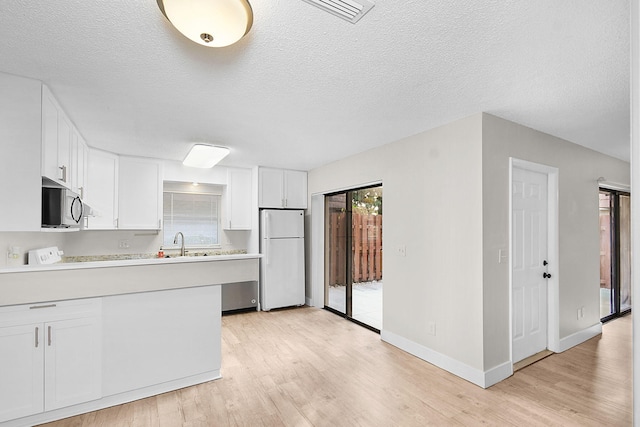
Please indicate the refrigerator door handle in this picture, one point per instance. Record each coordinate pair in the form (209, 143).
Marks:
(267, 236)
(267, 251)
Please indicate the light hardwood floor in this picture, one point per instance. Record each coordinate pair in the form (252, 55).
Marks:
(308, 367)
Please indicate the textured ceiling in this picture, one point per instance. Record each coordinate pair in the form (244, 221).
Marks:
(305, 88)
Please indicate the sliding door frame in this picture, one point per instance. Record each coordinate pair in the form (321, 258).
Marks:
(348, 314)
(614, 236)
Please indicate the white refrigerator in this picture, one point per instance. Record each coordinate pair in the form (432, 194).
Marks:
(282, 249)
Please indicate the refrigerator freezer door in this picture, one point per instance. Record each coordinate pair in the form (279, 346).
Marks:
(282, 283)
(278, 224)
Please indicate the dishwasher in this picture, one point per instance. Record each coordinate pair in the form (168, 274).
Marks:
(239, 296)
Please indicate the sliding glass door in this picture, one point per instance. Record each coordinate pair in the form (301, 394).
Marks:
(615, 253)
(354, 255)
(337, 238)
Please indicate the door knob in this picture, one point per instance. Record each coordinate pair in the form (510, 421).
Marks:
(545, 262)
(546, 275)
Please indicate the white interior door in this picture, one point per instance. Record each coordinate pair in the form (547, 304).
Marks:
(529, 262)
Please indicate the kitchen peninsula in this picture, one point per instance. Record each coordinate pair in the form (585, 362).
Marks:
(78, 337)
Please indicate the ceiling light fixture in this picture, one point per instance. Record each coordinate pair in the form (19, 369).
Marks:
(213, 23)
(205, 156)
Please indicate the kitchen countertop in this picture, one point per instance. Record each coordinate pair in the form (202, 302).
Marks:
(124, 263)
(63, 281)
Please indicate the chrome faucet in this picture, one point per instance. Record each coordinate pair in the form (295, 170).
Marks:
(175, 242)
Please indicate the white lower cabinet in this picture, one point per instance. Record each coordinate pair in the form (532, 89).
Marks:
(50, 356)
(72, 365)
(21, 372)
(65, 358)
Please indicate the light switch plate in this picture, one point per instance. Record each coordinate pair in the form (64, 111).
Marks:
(401, 250)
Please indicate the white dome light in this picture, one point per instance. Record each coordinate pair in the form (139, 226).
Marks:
(213, 23)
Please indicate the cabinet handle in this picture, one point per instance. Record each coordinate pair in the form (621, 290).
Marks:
(33, 307)
(64, 173)
(37, 342)
(159, 224)
(81, 189)
(49, 336)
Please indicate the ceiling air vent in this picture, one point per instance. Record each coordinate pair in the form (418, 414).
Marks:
(348, 10)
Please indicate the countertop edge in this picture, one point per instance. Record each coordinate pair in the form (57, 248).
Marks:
(125, 263)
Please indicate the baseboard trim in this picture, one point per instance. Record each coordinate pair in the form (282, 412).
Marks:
(480, 378)
(579, 337)
(497, 374)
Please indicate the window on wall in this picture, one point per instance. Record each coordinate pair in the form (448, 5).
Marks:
(194, 211)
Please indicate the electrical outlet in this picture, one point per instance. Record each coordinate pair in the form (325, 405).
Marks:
(431, 328)
(123, 244)
(14, 252)
(581, 313)
(401, 250)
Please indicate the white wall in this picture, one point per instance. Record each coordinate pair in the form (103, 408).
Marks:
(579, 237)
(446, 195)
(432, 205)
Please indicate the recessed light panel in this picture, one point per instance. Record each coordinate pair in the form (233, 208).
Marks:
(205, 156)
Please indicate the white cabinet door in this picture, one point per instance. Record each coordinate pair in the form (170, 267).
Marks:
(21, 136)
(270, 188)
(78, 163)
(56, 140)
(139, 193)
(238, 199)
(73, 362)
(279, 188)
(64, 149)
(21, 371)
(49, 135)
(295, 189)
(102, 190)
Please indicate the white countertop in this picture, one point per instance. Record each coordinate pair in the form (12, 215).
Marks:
(125, 263)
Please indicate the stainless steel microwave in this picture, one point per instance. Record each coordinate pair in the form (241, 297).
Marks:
(61, 208)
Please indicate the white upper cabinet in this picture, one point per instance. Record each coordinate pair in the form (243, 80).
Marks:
(279, 188)
(295, 189)
(238, 199)
(102, 190)
(56, 141)
(139, 194)
(21, 142)
(123, 192)
(270, 188)
(79, 152)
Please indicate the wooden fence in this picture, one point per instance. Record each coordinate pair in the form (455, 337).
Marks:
(366, 232)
